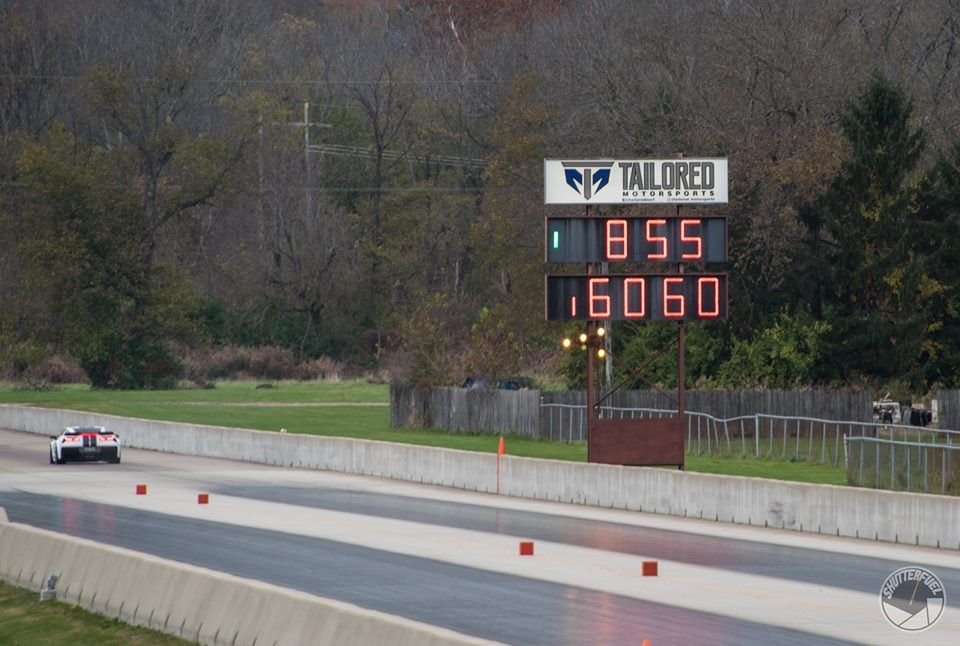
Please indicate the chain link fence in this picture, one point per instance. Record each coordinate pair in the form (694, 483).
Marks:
(925, 467)
(798, 439)
(888, 456)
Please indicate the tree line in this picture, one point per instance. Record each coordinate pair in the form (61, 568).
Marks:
(363, 181)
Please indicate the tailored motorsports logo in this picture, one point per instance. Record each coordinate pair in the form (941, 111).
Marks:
(587, 177)
(912, 598)
(635, 181)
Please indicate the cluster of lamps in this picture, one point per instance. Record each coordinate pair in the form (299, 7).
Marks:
(594, 340)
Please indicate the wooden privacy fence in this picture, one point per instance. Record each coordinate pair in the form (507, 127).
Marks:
(528, 412)
(949, 414)
(467, 410)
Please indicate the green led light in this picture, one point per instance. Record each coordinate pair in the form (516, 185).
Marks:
(556, 239)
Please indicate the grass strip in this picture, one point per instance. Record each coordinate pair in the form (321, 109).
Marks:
(229, 405)
(26, 621)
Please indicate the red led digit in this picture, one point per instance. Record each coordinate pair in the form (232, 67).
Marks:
(698, 254)
(616, 240)
(714, 310)
(573, 307)
(660, 240)
(677, 311)
(634, 313)
(595, 299)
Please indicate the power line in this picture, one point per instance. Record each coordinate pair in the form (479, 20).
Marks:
(64, 77)
(399, 189)
(356, 151)
(337, 189)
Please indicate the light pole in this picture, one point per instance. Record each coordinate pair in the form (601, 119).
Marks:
(591, 341)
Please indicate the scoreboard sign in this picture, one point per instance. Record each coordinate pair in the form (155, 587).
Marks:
(636, 297)
(635, 181)
(637, 240)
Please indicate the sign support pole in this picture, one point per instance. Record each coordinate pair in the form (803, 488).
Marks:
(591, 331)
(681, 371)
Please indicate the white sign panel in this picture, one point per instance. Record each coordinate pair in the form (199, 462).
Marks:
(635, 181)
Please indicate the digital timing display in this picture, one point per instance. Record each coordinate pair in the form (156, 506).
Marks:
(636, 239)
(639, 297)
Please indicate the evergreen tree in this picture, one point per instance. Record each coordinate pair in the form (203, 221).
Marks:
(942, 245)
(878, 279)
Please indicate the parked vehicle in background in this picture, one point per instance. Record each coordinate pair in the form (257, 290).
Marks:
(886, 411)
(85, 443)
(904, 412)
(510, 383)
(517, 383)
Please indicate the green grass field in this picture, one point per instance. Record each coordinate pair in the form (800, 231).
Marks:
(25, 621)
(352, 409)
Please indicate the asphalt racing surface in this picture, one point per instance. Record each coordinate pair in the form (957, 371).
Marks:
(450, 559)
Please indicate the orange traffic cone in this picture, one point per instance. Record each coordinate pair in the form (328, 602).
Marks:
(502, 447)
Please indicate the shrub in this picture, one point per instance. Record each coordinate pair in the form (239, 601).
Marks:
(783, 355)
(55, 369)
(271, 362)
(227, 362)
(321, 368)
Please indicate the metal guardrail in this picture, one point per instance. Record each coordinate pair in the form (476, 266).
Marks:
(782, 437)
(568, 422)
(882, 456)
(903, 466)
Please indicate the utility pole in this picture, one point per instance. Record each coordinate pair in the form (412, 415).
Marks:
(306, 159)
(307, 149)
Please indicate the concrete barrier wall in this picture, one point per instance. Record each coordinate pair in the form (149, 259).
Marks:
(447, 467)
(194, 603)
(897, 517)
(910, 518)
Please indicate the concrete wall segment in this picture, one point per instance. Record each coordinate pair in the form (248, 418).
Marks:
(195, 603)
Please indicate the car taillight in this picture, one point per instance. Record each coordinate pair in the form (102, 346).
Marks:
(71, 438)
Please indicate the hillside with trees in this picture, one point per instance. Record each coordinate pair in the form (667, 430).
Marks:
(355, 182)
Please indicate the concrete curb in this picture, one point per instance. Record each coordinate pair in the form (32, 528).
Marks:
(195, 603)
(897, 517)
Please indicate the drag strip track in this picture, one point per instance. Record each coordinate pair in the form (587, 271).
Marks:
(483, 604)
(448, 558)
(798, 564)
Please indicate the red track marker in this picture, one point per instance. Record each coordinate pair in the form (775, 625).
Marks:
(526, 548)
(203, 498)
(649, 568)
(141, 490)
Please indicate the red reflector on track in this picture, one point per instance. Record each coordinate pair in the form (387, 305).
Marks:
(141, 490)
(526, 548)
(649, 568)
(203, 498)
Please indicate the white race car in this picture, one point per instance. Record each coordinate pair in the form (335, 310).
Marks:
(86, 443)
